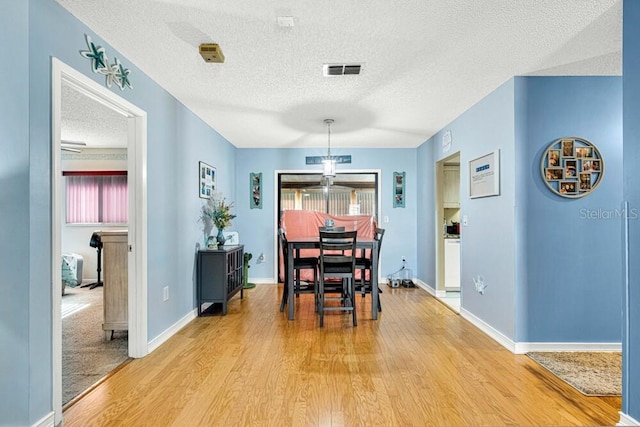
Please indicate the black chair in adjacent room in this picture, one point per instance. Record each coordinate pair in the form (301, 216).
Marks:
(299, 263)
(96, 242)
(337, 260)
(364, 263)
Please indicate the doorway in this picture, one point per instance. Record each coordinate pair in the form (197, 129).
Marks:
(350, 192)
(448, 289)
(63, 75)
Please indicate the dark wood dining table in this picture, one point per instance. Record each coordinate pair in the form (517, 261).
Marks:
(313, 242)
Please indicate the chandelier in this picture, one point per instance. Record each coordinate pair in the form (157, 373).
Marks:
(329, 163)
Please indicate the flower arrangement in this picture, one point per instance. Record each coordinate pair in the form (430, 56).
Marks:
(218, 211)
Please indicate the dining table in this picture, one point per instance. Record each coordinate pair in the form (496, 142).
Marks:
(295, 244)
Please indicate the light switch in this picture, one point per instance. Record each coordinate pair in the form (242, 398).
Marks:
(465, 220)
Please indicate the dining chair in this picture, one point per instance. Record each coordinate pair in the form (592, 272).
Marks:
(299, 263)
(337, 260)
(364, 263)
(331, 228)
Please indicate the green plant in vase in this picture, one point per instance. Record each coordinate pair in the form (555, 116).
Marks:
(217, 211)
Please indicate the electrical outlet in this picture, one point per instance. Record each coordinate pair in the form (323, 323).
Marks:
(165, 293)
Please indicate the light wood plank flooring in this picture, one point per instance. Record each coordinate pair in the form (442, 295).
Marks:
(419, 364)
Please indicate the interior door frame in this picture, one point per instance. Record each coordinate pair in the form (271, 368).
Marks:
(137, 229)
(439, 220)
(276, 204)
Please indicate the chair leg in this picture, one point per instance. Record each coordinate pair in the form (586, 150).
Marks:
(321, 301)
(315, 289)
(353, 300)
(285, 294)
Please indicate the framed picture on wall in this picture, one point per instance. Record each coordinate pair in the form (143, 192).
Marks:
(577, 172)
(206, 180)
(484, 175)
(398, 189)
(255, 190)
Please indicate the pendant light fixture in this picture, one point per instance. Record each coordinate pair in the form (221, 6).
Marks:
(329, 163)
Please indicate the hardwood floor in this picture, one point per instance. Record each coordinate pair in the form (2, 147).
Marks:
(419, 364)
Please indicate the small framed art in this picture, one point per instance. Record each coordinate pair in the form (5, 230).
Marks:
(206, 180)
(255, 190)
(398, 189)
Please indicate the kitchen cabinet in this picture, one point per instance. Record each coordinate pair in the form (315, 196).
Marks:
(220, 275)
(451, 187)
(452, 264)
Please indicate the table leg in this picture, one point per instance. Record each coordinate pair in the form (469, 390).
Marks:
(289, 283)
(374, 282)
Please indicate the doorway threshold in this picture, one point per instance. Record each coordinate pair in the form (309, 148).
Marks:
(451, 300)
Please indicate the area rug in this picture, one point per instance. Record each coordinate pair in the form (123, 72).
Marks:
(86, 355)
(591, 373)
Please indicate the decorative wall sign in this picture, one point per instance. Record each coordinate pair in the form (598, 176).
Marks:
(446, 141)
(255, 187)
(317, 160)
(398, 189)
(115, 73)
(206, 180)
(572, 167)
(484, 175)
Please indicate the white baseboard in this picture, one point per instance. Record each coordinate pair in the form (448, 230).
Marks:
(498, 336)
(263, 280)
(46, 421)
(419, 283)
(169, 332)
(526, 347)
(626, 420)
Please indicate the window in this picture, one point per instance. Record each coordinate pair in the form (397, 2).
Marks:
(349, 193)
(96, 197)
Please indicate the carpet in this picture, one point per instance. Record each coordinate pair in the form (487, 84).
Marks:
(591, 373)
(86, 355)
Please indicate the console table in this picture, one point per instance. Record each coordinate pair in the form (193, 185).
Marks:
(219, 275)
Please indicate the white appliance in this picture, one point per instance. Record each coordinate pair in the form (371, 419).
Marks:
(451, 264)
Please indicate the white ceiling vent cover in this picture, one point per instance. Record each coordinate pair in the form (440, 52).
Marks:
(330, 70)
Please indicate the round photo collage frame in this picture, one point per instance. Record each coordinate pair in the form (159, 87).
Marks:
(572, 167)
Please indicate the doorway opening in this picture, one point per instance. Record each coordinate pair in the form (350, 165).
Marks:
(353, 192)
(62, 78)
(448, 229)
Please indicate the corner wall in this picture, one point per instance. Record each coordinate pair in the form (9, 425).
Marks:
(16, 286)
(631, 129)
(572, 291)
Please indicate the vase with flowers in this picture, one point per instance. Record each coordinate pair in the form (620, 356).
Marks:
(217, 211)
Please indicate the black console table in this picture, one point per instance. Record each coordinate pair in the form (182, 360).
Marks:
(219, 275)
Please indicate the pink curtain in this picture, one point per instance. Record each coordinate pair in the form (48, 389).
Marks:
(115, 206)
(97, 199)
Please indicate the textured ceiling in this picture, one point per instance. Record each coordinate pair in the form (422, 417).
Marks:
(425, 61)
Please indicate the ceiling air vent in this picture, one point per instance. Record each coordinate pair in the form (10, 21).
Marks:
(341, 69)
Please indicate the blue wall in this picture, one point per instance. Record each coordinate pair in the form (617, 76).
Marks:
(631, 129)
(487, 243)
(426, 214)
(257, 226)
(14, 216)
(573, 287)
(32, 33)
